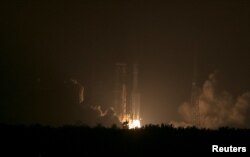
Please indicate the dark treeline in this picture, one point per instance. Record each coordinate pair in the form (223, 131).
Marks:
(37, 140)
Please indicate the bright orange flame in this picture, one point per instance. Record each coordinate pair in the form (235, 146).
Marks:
(134, 124)
(130, 122)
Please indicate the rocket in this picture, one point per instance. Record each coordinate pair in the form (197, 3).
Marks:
(135, 95)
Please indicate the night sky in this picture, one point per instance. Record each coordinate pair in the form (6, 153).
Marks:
(45, 44)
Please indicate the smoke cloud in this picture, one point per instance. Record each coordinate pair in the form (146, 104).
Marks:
(94, 114)
(99, 110)
(81, 89)
(217, 108)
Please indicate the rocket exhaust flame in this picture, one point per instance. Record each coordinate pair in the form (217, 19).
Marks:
(136, 123)
(129, 122)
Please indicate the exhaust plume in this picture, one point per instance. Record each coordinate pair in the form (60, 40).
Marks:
(81, 90)
(98, 109)
(217, 108)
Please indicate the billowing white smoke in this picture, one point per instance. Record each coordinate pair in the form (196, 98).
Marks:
(94, 114)
(98, 109)
(81, 90)
(106, 118)
(217, 108)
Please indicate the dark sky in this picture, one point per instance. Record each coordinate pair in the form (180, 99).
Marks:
(51, 42)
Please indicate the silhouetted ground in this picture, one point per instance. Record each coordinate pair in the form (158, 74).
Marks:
(151, 140)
